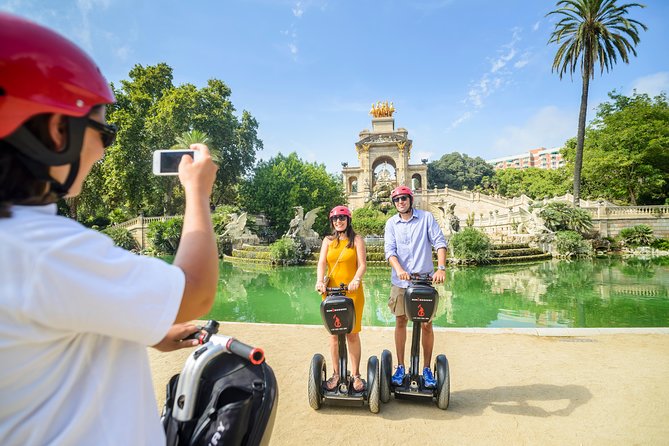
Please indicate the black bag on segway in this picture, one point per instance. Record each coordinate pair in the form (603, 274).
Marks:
(220, 399)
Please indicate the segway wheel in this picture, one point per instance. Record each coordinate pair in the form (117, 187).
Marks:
(443, 382)
(386, 371)
(317, 375)
(373, 384)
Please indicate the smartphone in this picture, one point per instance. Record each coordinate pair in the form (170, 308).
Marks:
(166, 162)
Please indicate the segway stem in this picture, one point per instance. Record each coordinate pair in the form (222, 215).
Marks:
(343, 356)
(415, 351)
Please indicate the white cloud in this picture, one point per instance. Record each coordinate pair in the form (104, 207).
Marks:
(462, 118)
(535, 27)
(653, 84)
(298, 10)
(498, 75)
(549, 127)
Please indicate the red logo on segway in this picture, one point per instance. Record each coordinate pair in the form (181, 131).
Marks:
(337, 322)
(421, 312)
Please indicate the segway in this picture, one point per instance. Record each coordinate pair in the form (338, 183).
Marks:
(420, 303)
(339, 318)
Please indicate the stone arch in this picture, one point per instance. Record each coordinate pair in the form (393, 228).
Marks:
(416, 182)
(381, 160)
(352, 185)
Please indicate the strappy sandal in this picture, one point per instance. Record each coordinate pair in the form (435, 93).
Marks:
(358, 383)
(332, 382)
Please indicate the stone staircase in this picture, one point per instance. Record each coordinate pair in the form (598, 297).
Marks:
(515, 253)
(250, 255)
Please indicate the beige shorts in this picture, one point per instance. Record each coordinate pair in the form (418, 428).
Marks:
(396, 301)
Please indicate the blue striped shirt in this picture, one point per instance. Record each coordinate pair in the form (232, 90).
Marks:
(411, 241)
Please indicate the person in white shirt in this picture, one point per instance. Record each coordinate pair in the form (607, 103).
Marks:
(77, 312)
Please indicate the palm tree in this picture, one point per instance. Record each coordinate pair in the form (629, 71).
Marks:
(190, 137)
(591, 32)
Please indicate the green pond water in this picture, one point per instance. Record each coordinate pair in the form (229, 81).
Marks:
(584, 293)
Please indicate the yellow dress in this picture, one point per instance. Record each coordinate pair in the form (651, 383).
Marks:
(344, 273)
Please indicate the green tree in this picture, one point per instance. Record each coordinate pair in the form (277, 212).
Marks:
(279, 184)
(627, 151)
(590, 32)
(151, 114)
(534, 182)
(458, 171)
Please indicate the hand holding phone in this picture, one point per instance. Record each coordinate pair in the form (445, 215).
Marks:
(166, 162)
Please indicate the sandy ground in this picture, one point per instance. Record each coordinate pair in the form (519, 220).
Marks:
(506, 389)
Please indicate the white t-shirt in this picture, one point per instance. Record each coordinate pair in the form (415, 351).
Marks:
(76, 315)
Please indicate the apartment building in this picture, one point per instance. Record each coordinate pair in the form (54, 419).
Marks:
(541, 158)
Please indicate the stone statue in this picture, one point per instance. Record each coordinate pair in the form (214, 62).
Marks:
(533, 224)
(450, 221)
(236, 225)
(237, 232)
(300, 225)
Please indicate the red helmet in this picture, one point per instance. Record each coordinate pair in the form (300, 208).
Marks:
(340, 210)
(401, 190)
(42, 72)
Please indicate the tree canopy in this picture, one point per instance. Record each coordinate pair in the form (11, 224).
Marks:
(534, 182)
(152, 113)
(458, 171)
(279, 184)
(627, 150)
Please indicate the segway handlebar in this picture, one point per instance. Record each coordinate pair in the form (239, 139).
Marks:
(255, 355)
(421, 278)
(208, 333)
(341, 289)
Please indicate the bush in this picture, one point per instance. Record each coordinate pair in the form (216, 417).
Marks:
(562, 216)
(368, 221)
(122, 238)
(286, 250)
(165, 235)
(661, 244)
(640, 235)
(571, 244)
(471, 244)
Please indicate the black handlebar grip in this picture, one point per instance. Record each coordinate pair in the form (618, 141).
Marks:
(255, 355)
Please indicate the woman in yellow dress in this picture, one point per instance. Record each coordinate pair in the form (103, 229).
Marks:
(344, 258)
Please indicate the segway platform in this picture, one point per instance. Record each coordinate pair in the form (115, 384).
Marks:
(338, 317)
(420, 302)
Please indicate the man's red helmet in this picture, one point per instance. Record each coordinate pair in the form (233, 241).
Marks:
(43, 72)
(401, 190)
(340, 210)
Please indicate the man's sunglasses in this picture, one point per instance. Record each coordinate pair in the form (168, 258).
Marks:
(400, 198)
(107, 132)
(338, 218)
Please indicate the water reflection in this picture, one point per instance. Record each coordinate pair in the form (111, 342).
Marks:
(600, 293)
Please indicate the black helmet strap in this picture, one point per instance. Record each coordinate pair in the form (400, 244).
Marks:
(37, 158)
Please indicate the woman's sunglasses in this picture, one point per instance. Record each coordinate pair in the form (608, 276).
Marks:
(107, 132)
(338, 218)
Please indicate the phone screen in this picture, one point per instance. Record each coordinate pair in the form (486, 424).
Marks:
(169, 160)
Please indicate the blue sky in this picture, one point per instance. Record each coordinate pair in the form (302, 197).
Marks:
(471, 76)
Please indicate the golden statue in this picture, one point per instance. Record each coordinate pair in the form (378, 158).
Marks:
(382, 110)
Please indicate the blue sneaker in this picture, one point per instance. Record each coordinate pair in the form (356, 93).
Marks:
(428, 379)
(398, 376)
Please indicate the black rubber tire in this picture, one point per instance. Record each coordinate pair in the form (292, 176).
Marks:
(317, 375)
(385, 374)
(443, 393)
(373, 384)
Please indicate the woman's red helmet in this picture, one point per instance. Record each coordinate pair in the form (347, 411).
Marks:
(340, 210)
(401, 190)
(43, 72)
